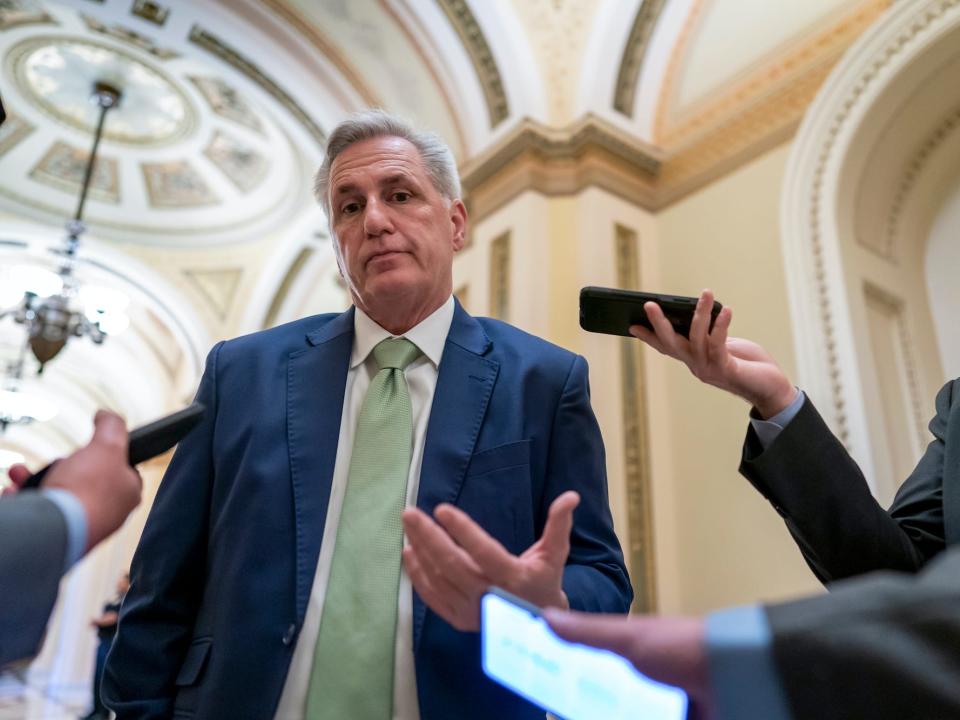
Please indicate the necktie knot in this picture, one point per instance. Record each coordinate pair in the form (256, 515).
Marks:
(395, 353)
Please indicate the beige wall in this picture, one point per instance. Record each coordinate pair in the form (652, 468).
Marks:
(730, 545)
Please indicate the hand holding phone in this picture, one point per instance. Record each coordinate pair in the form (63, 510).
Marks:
(147, 441)
(572, 681)
(612, 311)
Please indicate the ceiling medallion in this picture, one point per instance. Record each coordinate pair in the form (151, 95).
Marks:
(55, 75)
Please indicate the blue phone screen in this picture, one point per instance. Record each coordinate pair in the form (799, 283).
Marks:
(572, 681)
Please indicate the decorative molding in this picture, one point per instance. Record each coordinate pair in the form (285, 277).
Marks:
(63, 167)
(242, 165)
(218, 287)
(636, 441)
(894, 307)
(667, 89)
(280, 297)
(914, 169)
(13, 131)
(500, 277)
(814, 55)
(175, 185)
(485, 65)
(14, 13)
(561, 162)
(819, 306)
(631, 62)
(131, 37)
(309, 31)
(150, 11)
(217, 47)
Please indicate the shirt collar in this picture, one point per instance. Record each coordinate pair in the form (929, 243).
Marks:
(430, 335)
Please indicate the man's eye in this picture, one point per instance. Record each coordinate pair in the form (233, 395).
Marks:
(401, 196)
(350, 208)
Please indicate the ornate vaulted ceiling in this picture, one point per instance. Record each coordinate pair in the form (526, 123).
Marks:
(200, 211)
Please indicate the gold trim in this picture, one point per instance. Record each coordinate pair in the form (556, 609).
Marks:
(217, 47)
(814, 56)
(631, 62)
(636, 441)
(484, 64)
(500, 277)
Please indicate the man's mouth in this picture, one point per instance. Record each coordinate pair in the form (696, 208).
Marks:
(381, 256)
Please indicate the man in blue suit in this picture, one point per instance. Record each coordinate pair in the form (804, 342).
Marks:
(268, 581)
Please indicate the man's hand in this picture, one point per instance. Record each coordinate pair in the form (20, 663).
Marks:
(98, 476)
(452, 562)
(737, 366)
(671, 650)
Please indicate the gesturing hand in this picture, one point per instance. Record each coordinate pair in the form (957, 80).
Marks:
(737, 366)
(452, 562)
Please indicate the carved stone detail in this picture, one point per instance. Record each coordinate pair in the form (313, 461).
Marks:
(631, 62)
(467, 27)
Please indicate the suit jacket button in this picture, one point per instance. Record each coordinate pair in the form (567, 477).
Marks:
(289, 635)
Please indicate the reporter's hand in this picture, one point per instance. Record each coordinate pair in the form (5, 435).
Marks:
(671, 650)
(100, 478)
(738, 366)
(452, 562)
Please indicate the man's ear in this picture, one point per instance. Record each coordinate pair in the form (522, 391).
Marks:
(458, 218)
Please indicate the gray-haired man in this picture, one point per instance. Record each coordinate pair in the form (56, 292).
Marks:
(268, 582)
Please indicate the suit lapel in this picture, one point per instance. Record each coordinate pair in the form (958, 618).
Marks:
(464, 384)
(316, 378)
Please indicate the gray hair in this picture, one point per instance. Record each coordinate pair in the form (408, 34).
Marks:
(436, 156)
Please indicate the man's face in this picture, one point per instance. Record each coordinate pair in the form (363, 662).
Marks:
(397, 234)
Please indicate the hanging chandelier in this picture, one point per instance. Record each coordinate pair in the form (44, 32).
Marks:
(51, 319)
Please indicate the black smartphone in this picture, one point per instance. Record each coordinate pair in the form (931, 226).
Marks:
(612, 311)
(147, 441)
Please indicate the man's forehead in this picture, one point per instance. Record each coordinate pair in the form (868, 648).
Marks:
(380, 158)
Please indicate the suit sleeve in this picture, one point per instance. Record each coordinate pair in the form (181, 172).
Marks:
(819, 490)
(167, 576)
(33, 546)
(883, 646)
(595, 578)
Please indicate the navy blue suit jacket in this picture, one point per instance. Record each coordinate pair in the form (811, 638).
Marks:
(221, 577)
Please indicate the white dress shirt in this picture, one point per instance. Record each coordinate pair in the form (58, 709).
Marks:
(430, 336)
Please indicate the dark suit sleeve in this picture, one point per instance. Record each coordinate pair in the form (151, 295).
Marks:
(882, 646)
(33, 546)
(816, 486)
(595, 578)
(167, 576)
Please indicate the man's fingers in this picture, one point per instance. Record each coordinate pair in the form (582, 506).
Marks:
(491, 557)
(671, 342)
(441, 556)
(718, 338)
(464, 616)
(700, 325)
(18, 474)
(648, 336)
(110, 430)
(609, 632)
(555, 540)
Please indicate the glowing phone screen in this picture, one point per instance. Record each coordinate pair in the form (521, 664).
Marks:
(571, 681)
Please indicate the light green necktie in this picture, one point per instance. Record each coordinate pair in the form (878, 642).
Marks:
(352, 674)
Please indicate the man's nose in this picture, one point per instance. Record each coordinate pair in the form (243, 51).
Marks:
(376, 218)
